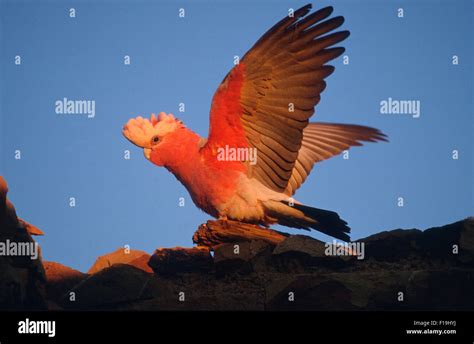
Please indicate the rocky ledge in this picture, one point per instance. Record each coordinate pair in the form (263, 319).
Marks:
(400, 270)
(236, 266)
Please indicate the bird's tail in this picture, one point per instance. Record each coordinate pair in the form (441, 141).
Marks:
(304, 217)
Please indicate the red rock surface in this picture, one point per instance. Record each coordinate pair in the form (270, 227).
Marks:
(60, 280)
(121, 256)
(56, 272)
(22, 280)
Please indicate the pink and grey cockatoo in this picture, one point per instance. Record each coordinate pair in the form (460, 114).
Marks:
(262, 105)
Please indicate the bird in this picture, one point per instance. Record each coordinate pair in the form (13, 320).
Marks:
(262, 106)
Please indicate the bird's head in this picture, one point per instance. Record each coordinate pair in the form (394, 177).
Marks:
(151, 133)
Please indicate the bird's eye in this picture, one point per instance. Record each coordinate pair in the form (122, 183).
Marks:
(155, 140)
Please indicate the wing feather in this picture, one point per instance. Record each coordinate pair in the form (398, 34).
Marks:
(322, 141)
(265, 101)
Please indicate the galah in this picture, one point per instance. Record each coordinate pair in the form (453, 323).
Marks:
(263, 105)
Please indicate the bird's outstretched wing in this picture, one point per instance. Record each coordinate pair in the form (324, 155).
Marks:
(322, 141)
(265, 101)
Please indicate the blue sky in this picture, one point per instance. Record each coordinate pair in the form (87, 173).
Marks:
(132, 202)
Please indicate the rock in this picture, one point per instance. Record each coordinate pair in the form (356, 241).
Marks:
(22, 279)
(309, 292)
(121, 256)
(345, 291)
(168, 261)
(436, 245)
(392, 245)
(300, 253)
(33, 230)
(204, 292)
(142, 263)
(9, 221)
(60, 280)
(301, 244)
(110, 288)
(466, 239)
(255, 269)
(466, 242)
(440, 243)
(239, 256)
(441, 290)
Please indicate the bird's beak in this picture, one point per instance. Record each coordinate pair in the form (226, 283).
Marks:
(147, 152)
